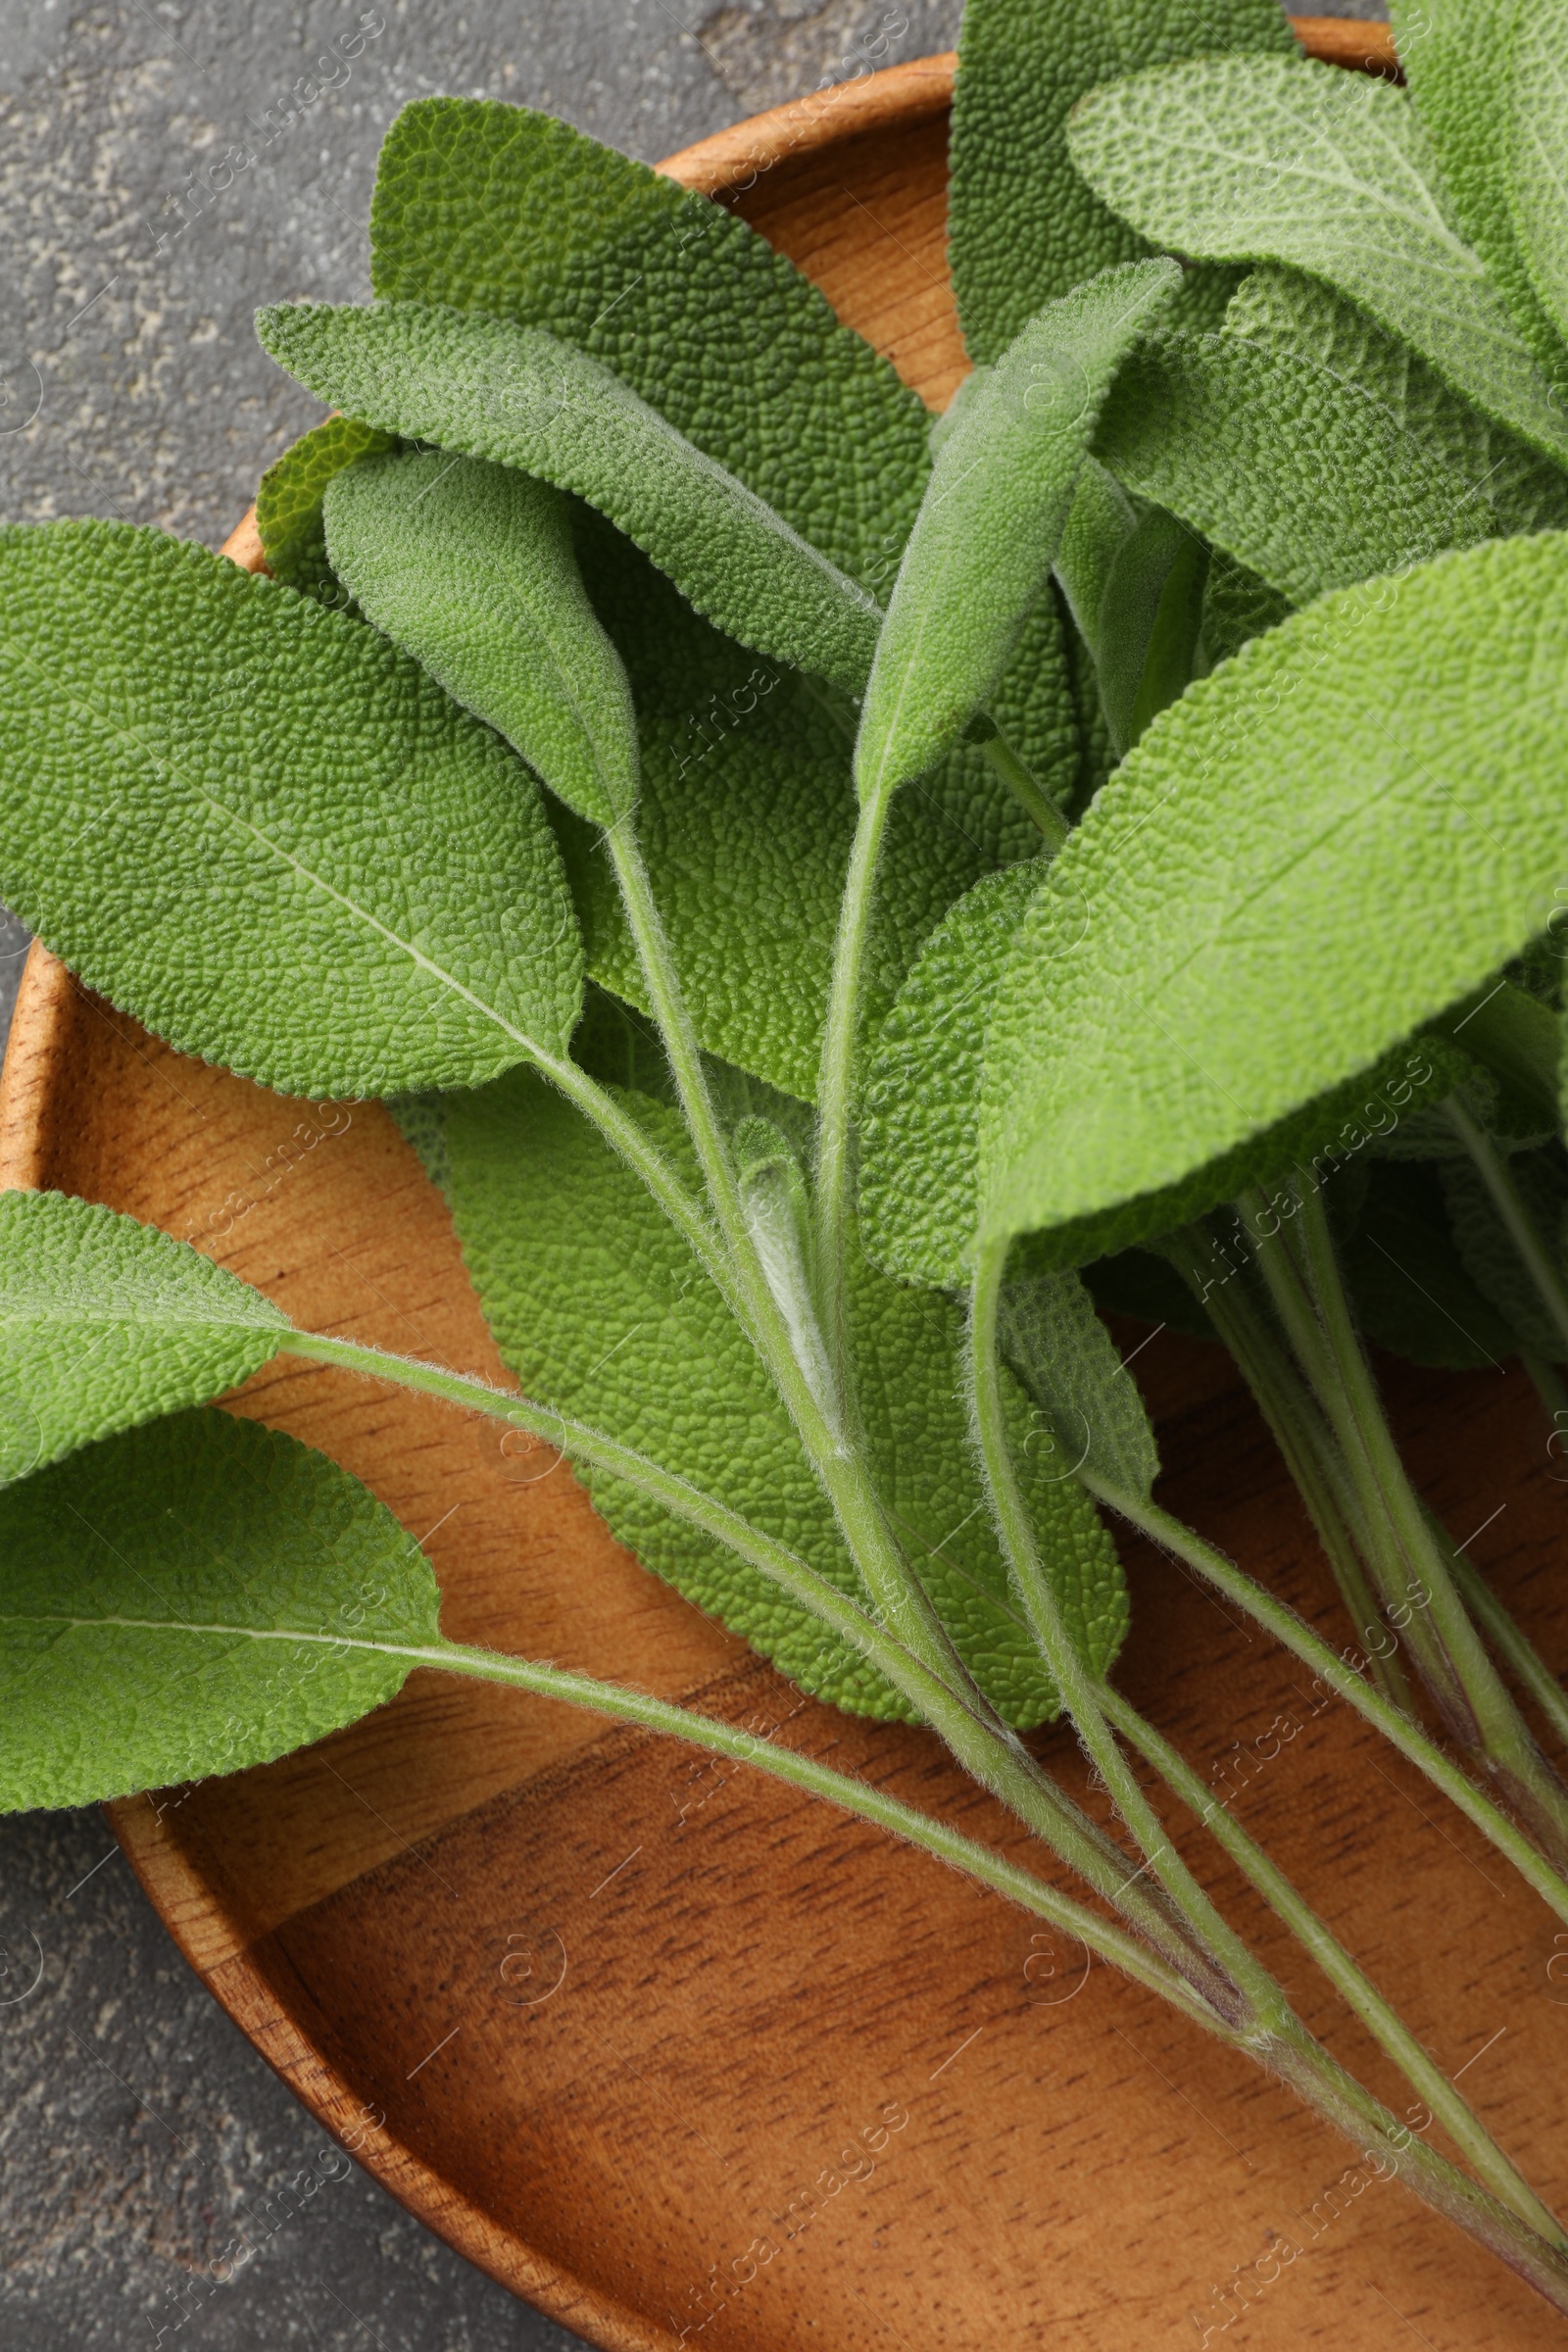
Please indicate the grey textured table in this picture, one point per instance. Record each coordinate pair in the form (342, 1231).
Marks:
(140, 2134)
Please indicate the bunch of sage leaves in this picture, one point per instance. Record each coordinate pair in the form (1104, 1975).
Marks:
(832, 894)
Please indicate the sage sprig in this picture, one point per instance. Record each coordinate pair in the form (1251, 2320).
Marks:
(829, 898)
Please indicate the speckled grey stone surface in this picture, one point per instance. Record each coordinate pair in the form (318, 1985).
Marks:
(158, 2185)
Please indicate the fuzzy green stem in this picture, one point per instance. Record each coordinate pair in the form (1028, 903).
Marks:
(1276, 1617)
(1516, 1651)
(991, 1753)
(1517, 1221)
(1507, 1747)
(1209, 1931)
(1304, 1439)
(835, 1090)
(1349, 1979)
(1031, 797)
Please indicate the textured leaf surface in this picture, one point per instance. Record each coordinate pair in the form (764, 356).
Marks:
(263, 830)
(921, 1122)
(1023, 226)
(289, 502)
(148, 1595)
(1530, 90)
(105, 1323)
(1340, 832)
(991, 522)
(1410, 1291)
(679, 296)
(1284, 311)
(470, 568)
(1488, 1253)
(597, 1304)
(746, 820)
(522, 397)
(1455, 55)
(1066, 1359)
(1266, 159)
(1299, 475)
(1149, 621)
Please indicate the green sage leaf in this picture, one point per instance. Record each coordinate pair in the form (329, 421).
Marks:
(598, 1306)
(686, 302)
(1278, 843)
(470, 567)
(992, 522)
(1023, 227)
(1065, 1358)
(1455, 55)
(289, 500)
(746, 820)
(178, 1601)
(522, 397)
(920, 1115)
(263, 830)
(1284, 311)
(105, 1322)
(1530, 90)
(1300, 476)
(1412, 1294)
(1266, 159)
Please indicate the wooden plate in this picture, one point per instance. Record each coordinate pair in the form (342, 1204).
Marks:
(610, 2019)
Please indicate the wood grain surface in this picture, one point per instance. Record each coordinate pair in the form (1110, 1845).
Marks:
(608, 2017)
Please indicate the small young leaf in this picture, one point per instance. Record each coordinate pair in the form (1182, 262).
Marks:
(598, 1306)
(991, 522)
(470, 566)
(681, 297)
(1023, 228)
(520, 397)
(105, 1323)
(288, 503)
(1101, 521)
(263, 830)
(1284, 311)
(1275, 844)
(1455, 54)
(170, 1601)
(1298, 475)
(1064, 1354)
(1266, 159)
(920, 1117)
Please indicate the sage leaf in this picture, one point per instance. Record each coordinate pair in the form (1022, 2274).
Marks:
(470, 566)
(1236, 606)
(598, 1304)
(681, 297)
(1532, 94)
(746, 820)
(1064, 1355)
(1410, 1291)
(520, 397)
(289, 504)
(920, 1113)
(1023, 227)
(1455, 56)
(172, 1603)
(1150, 622)
(992, 522)
(1487, 1250)
(1264, 159)
(1284, 311)
(263, 830)
(1302, 477)
(1278, 843)
(105, 1322)
(1099, 522)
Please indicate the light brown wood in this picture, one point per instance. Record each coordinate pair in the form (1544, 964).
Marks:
(729, 1985)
